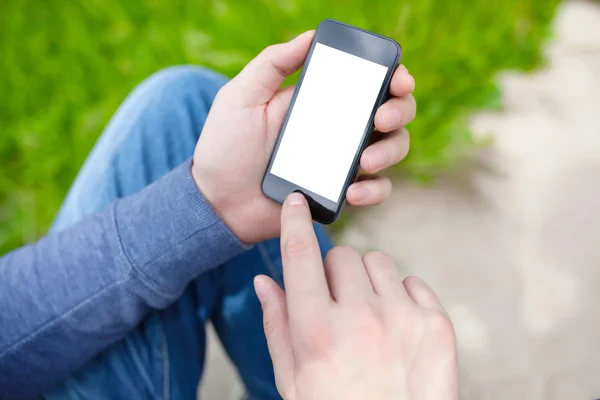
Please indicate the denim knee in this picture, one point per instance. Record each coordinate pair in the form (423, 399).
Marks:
(154, 130)
(180, 81)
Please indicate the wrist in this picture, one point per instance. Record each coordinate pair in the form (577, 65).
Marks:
(224, 207)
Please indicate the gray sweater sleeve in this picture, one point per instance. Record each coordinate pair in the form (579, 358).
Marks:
(70, 295)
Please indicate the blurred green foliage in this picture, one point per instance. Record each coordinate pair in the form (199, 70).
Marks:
(66, 65)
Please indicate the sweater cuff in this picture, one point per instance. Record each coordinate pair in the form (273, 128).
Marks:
(170, 234)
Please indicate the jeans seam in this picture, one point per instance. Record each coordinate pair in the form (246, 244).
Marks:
(164, 349)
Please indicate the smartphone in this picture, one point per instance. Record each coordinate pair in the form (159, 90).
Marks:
(345, 78)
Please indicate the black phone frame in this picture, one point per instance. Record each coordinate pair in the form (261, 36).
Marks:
(361, 43)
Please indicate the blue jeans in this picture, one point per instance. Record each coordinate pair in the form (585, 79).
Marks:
(153, 131)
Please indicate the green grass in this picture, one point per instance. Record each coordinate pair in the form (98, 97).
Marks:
(66, 65)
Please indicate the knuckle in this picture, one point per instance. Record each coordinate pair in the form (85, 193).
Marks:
(406, 136)
(270, 325)
(377, 258)
(413, 106)
(382, 189)
(382, 265)
(297, 245)
(379, 120)
(317, 339)
(413, 83)
(269, 54)
(412, 281)
(403, 146)
(406, 147)
(269, 50)
(398, 154)
(368, 321)
(367, 314)
(397, 146)
(441, 326)
(339, 254)
(386, 187)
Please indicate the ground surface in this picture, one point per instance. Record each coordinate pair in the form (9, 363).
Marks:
(514, 253)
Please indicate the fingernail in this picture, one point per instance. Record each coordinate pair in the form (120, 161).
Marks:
(377, 160)
(260, 289)
(296, 199)
(361, 193)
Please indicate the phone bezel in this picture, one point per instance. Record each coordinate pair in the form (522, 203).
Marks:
(361, 43)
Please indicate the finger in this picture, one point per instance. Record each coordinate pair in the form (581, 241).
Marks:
(389, 151)
(395, 113)
(281, 101)
(402, 83)
(275, 322)
(369, 192)
(278, 106)
(348, 281)
(384, 275)
(263, 76)
(305, 284)
(422, 294)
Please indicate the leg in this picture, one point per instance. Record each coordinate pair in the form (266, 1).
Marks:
(238, 314)
(155, 130)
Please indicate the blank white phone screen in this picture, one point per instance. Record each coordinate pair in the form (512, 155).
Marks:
(328, 120)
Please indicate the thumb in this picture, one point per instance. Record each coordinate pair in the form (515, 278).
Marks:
(275, 322)
(263, 76)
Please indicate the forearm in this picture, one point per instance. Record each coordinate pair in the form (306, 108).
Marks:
(67, 297)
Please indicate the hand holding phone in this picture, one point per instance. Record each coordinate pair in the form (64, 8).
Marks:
(351, 327)
(346, 77)
(242, 127)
